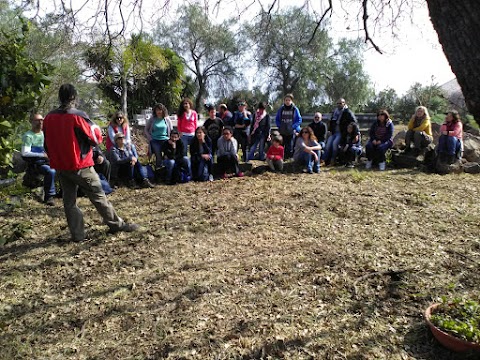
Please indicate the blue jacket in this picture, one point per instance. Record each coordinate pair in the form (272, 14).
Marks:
(297, 119)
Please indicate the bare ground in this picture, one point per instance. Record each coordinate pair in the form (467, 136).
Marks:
(338, 265)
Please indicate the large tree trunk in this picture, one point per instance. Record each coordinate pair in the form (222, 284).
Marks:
(457, 24)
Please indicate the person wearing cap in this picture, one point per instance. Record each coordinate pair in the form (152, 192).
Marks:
(342, 116)
(33, 152)
(242, 120)
(450, 144)
(126, 163)
(119, 123)
(68, 143)
(259, 132)
(419, 130)
(288, 120)
(225, 115)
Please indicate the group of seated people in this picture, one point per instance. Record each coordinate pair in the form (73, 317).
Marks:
(223, 133)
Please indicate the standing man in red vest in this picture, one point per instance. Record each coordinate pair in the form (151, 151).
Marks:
(68, 142)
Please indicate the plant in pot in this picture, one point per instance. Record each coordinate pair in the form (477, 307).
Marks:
(455, 323)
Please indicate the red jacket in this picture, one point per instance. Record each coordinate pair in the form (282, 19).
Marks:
(69, 139)
(274, 153)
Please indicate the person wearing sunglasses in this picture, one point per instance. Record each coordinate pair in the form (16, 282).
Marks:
(307, 151)
(119, 123)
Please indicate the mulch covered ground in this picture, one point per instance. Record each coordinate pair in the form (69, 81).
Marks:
(338, 265)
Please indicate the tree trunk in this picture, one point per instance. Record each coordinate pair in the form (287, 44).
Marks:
(457, 24)
(124, 93)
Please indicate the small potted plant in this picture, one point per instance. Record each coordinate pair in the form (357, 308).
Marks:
(455, 323)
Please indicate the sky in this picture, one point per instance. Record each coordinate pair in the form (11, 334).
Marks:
(413, 54)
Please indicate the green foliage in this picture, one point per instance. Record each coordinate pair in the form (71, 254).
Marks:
(146, 72)
(208, 50)
(251, 97)
(386, 99)
(347, 79)
(429, 96)
(22, 82)
(291, 63)
(459, 317)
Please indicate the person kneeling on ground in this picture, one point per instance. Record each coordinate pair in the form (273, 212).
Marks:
(381, 139)
(124, 163)
(227, 157)
(275, 154)
(307, 151)
(201, 156)
(351, 147)
(175, 160)
(450, 142)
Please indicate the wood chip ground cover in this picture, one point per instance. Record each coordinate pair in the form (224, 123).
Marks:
(338, 265)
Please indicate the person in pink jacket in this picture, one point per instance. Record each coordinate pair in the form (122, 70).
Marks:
(187, 119)
(451, 135)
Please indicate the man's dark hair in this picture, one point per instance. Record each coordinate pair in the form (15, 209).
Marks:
(67, 93)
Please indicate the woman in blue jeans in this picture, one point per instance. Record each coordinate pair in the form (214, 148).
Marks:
(201, 156)
(157, 131)
(381, 139)
(259, 133)
(307, 151)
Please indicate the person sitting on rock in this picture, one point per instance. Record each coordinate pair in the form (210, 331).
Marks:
(201, 153)
(381, 134)
(175, 160)
(126, 164)
(307, 151)
(419, 130)
(33, 152)
(450, 144)
(227, 157)
(351, 148)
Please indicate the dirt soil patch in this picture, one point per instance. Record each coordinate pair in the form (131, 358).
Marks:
(338, 265)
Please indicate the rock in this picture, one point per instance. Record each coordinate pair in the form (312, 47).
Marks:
(399, 140)
(471, 147)
(19, 165)
(446, 168)
(471, 168)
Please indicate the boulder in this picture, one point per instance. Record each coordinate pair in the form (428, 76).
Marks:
(471, 147)
(446, 168)
(403, 160)
(399, 140)
(19, 165)
(471, 168)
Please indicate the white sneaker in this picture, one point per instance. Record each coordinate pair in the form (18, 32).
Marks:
(369, 164)
(381, 166)
(210, 177)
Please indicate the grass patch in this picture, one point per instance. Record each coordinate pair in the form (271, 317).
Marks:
(338, 265)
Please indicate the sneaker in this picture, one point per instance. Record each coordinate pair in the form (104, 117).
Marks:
(310, 171)
(369, 164)
(316, 170)
(240, 174)
(147, 184)
(132, 184)
(127, 227)
(210, 177)
(349, 165)
(49, 201)
(381, 166)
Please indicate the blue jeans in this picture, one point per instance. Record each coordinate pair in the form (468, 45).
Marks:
(259, 142)
(172, 164)
(331, 148)
(377, 152)
(307, 159)
(202, 169)
(449, 145)
(186, 139)
(48, 180)
(156, 147)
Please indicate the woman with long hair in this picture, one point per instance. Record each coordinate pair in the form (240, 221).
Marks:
(187, 119)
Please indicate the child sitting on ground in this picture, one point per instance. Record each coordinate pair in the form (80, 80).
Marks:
(275, 154)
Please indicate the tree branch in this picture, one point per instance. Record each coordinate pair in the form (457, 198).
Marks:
(365, 27)
(329, 9)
